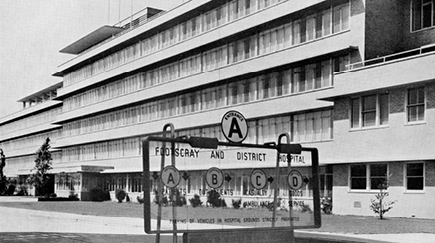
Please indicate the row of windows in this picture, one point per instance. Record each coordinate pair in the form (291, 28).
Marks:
(260, 44)
(183, 31)
(293, 80)
(373, 110)
(314, 126)
(373, 176)
(28, 161)
(34, 120)
(332, 20)
(30, 141)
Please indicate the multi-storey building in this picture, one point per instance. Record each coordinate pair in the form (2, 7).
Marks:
(22, 134)
(302, 67)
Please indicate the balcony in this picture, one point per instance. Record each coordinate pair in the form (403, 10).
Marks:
(405, 68)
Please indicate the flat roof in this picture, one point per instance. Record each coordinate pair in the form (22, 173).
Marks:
(39, 93)
(91, 39)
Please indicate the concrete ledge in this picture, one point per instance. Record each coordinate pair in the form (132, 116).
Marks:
(18, 199)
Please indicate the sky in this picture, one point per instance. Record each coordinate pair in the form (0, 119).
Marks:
(33, 31)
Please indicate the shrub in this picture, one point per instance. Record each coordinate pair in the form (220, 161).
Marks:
(73, 197)
(98, 195)
(214, 199)
(195, 201)
(10, 191)
(53, 195)
(22, 191)
(120, 195)
(379, 206)
(140, 200)
(179, 199)
(164, 198)
(237, 203)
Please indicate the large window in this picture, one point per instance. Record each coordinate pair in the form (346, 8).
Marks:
(369, 111)
(313, 126)
(358, 177)
(422, 14)
(415, 176)
(378, 175)
(415, 105)
(371, 176)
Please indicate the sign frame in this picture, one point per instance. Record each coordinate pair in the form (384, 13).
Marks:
(240, 128)
(213, 143)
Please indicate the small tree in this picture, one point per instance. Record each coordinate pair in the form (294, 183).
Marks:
(3, 180)
(379, 206)
(43, 160)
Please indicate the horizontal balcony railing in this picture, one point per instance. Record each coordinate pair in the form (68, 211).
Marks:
(394, 57)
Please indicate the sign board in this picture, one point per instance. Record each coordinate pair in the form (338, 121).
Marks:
(227, 187)
(234, 126)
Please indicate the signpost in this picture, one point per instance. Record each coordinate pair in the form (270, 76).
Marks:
(203, 187)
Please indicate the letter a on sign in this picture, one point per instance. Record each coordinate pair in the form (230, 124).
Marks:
(170, 176)
(234, 126)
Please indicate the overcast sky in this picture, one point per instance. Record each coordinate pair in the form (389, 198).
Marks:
(33, 31)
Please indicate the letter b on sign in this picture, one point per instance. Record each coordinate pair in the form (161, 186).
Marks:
(214, 177)
(234, 126)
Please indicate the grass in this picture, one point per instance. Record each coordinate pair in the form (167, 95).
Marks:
(330, 223)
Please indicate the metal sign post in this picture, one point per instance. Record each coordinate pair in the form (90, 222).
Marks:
(200, 169)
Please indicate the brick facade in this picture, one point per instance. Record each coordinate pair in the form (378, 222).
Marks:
(340, 175)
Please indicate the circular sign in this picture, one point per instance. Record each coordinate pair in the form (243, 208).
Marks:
(258, 179)
(234, 126)
(170, 176)
(295, 179)
(214, 177)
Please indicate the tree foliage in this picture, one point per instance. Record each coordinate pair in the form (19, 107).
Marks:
(43, 160)
(379, 206)
(3, 180)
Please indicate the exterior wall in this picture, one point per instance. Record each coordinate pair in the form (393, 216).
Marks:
(231, 28)
(409, 203)
(394, 142)
(414, 39)
(384, 22)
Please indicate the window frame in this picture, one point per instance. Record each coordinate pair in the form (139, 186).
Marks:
(405, 175)
(408, 106)
(359, 108)
(414, 26)
(368, 176)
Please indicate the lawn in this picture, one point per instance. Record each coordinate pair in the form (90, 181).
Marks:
(330, 223)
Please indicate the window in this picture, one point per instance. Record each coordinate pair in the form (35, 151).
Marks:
(415, 176)
(369, 111)
(358, 177)
(422, 14)
(378, 175)
(361, 174)
(415, 105)
(340, 18)
(310, 127)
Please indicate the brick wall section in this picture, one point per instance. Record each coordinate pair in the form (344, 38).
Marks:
(383, 28)
(430, 99)
(397, 101)
(396, 172)
(412, 40)
(341, 109)
(430, 173)
(340, 175)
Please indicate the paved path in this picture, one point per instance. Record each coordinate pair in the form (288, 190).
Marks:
(24, 220)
